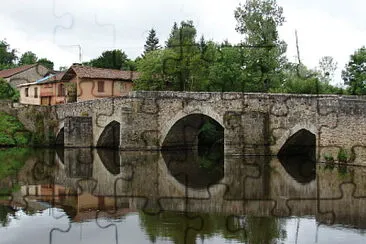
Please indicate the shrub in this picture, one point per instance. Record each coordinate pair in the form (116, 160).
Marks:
(328, 158)
(7, 91)
(342, 155)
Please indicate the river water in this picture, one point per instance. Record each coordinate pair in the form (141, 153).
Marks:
(105, 196)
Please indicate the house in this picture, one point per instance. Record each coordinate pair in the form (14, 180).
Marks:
(23, 74)
(48, 90)
(93, 83)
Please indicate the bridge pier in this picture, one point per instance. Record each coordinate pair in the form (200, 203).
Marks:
(78, 132)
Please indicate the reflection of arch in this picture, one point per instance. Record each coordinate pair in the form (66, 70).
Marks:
(183, 130)
(110, 159)
(298, 156)
(110, 137)
(60, 137)
(172, 187)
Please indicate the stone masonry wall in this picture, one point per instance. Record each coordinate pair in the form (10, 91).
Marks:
(250, 120)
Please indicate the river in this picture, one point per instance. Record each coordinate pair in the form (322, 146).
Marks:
(105, 196)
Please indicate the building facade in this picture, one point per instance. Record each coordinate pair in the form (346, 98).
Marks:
(94, 83)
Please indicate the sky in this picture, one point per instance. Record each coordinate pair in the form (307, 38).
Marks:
(55, 29)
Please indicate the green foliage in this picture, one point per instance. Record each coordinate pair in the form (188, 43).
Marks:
(342, 155)
(12, 132)
(258, 20)
(8, 56)
(152, 42)
(46, 63)
(114, 59)
(7, 91)
(28, 58)
(258, 64)
(152, 76)
(354, 74)
(71, 92)
(328, 158)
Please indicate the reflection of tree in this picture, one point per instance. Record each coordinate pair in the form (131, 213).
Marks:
(12, 160)
(173, 225)
(5, 212)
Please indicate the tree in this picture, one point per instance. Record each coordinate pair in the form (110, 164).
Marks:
(27, 58)
(184, 51)
(8, 56)
(46, 63)
(152, 75)
(7, 91)
(172, 33)
(113, 59)
(327, 67)
(152, 42)
(354, 74)
(258, 20)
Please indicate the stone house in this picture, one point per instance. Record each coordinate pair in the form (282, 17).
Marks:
(93, 83)
(46, 91)
(24, 74)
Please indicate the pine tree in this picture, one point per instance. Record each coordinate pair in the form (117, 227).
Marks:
(152, 42)
(172, 35)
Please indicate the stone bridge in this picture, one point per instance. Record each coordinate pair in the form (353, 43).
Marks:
(252, 123)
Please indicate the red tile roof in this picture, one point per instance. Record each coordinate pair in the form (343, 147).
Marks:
(10, 72)
(99, 73)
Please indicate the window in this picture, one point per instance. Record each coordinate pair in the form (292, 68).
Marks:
(26, 92)
(100, 86)
(61, 90)
(35, 92)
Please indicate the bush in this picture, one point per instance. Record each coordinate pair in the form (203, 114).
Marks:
(328, 158)
(342, 156)
(7, 91)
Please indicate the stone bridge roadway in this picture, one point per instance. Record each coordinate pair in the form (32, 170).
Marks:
(252, 123)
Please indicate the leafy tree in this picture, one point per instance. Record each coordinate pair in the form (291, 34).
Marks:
(7, 91)
(228, 74)
(172, 34)
(152, 42)
(46, 63)
(184, 56)
(7, 55)
(354, 74)
(301, 80)
(152, 76)
(113, 59)
(258, 20)
(28, 58)
(327, 67)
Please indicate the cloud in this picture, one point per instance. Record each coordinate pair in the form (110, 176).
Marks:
(53, 28)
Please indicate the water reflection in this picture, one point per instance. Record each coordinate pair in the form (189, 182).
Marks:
(238, 198)
(196, 169)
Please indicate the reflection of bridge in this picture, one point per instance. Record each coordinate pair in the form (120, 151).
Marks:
(249, 186)
(151, 120)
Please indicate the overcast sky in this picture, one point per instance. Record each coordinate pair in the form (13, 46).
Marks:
(54, 28)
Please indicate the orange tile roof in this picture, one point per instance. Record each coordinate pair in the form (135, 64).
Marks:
(10, 72)
(99, 73)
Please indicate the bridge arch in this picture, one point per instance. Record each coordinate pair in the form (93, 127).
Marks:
(291, 132)
(204, 113)
(184, 130)
(110, 136)
(60, 134)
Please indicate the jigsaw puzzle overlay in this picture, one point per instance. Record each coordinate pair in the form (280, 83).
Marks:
(233, 187)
